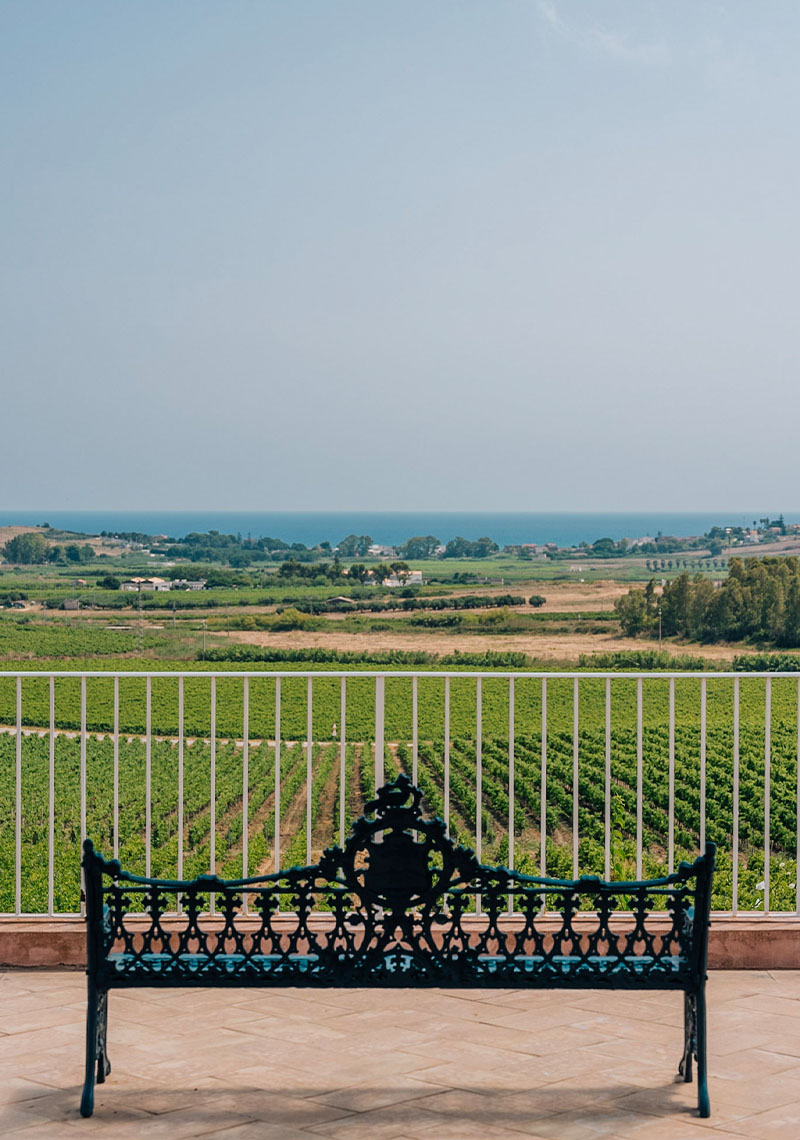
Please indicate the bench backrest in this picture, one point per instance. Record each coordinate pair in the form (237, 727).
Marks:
(399, 904)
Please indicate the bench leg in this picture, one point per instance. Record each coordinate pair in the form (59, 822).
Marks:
(103, 1063)
(689, 1035)
(96, 1058)
(703, 1102)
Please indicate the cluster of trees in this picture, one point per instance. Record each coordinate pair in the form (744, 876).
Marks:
(32, 549)
(420, 546)
(759, 601)
(214, 576)
(334, 572)
(231, 548)
(668, 563)
(354, 546)
(462, 548)
(383, 605)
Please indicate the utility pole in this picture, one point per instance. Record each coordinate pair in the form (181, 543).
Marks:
(659, 629)
(204, 639)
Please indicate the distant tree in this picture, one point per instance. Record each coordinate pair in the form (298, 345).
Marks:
(420, 546)
(457, 548)
(483, 547)
(460, 547)
(26, 549)
(354, 546)
(110, 582)
(632, 612)
(536, 600)
(358, 572)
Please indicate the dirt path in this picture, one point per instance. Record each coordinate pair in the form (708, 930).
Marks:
(543, 646)
(560, 596)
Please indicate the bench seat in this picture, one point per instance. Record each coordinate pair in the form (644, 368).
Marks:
(234, 966)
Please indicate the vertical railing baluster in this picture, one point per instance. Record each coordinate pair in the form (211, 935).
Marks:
(639, 777)
(213, 787)
(543, 791)
(116, 768)
(447, 753)
(342, 759)
(18, 807)
(479, 769)
(245, 782)
(180, 781)
(671, 794)
(277, 774)
(703, 716)
(478, 778)
(380, 710)
(84, 736)
(607, 799)
(797, 810)
(767, 779)
(511, 787)
(309, 759)
(51, 804)
(735, 808)
(148, 777)
(414, 729)
(575, 747)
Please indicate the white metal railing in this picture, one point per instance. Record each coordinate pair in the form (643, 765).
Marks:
(578, 725)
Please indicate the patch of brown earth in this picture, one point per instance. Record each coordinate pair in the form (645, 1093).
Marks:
(543, 646)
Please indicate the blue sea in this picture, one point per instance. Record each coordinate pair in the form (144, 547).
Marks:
(392, 527)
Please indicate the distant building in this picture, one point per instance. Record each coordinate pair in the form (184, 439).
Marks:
(377, 551)
(145, 585)
(188, 584)
(70, 604)
(410, 578)
(534, 551)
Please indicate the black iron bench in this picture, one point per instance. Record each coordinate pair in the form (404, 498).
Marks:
(400, 905)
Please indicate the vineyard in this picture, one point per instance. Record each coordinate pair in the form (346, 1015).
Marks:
(187, 832)
(228, 703)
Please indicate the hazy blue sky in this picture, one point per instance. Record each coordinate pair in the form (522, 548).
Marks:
(470, 254)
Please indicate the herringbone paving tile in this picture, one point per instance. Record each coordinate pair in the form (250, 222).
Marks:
(437, 1065)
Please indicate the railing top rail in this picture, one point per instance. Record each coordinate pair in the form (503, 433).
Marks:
(506, 674)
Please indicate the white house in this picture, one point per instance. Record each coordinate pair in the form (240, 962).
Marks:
(145, 585)
(410, 578)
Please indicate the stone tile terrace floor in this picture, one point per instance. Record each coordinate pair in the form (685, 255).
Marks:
(382, 1065)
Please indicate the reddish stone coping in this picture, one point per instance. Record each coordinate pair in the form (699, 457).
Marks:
(740, 942)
